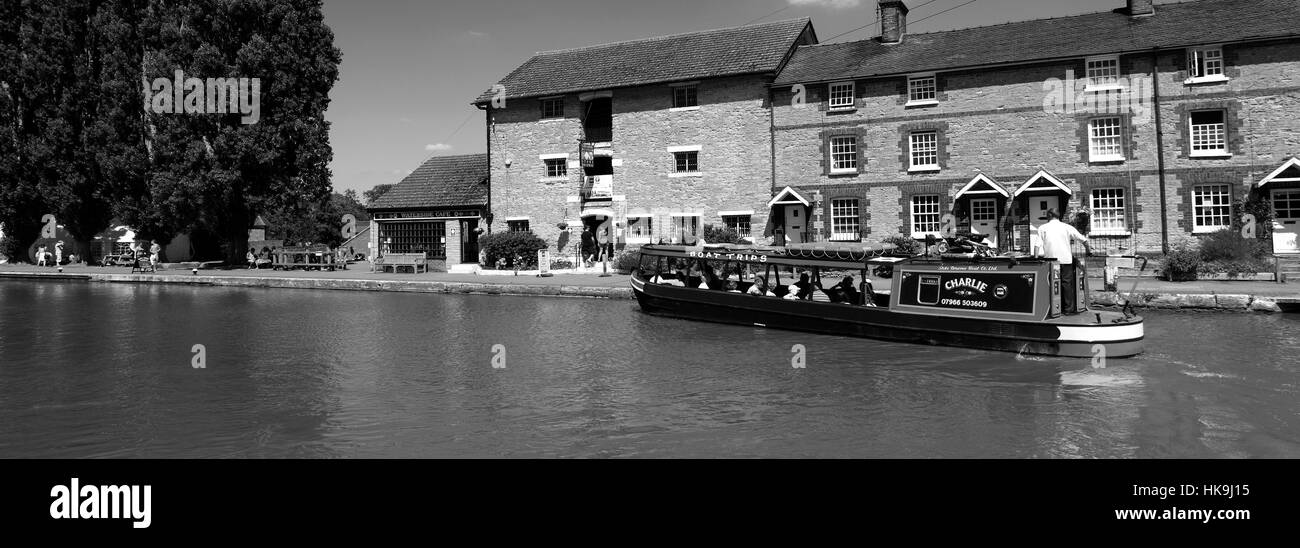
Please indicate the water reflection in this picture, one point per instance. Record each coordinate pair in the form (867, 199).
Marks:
(103, 370)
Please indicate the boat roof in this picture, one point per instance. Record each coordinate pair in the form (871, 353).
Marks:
(828, 254)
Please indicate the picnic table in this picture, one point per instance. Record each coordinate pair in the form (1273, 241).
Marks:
(315, 257)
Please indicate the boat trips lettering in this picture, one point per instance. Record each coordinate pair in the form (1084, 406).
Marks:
(728, 256)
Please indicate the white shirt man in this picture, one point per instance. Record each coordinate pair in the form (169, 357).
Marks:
(1056, 238)
(1056, 244)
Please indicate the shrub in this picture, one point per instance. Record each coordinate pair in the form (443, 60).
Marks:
(1262, 208)
(1182, 264)
(509, 245)
(721, 235)
(905, 245)
(1229, 245)
(628, 261)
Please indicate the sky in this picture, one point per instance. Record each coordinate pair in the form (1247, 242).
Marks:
(411, 67)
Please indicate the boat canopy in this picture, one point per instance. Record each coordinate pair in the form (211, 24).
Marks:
(827, 254)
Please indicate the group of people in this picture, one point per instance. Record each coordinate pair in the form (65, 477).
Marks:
(702, 276)
(44, 257)
(593, 250)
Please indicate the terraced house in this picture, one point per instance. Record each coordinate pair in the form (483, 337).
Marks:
(645, 140)
(1154, 119)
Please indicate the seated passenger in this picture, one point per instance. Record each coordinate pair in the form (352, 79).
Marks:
(760, 288)
(669, 279)
(819, 295)
(804, 286)
(847, 291)
(731, 287)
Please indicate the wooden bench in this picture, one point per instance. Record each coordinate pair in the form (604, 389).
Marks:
(396, 260)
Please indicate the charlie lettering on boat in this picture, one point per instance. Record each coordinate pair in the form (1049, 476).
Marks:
(972, 283)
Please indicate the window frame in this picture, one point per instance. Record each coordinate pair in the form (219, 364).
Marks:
(913, 214)
(840, 211)
(1091, 83)
(1121, 209)
(511, 225)
(563, 168)
(647, 228)
(1192, 152)
(544, 101)
(852, 140)
(1093, 138)
(912, 80)
(679, 156)
(748, 222)
(1195, 194)
(912, 150)
(693, 97)
(1197, 65)
(852, 96)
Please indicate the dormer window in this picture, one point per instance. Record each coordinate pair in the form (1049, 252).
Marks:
(841, 96)
(1205, 65)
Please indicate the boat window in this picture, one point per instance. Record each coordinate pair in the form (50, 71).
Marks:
(928, 290)
(651, 265)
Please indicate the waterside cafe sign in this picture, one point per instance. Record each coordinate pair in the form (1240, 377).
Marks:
(440, 214)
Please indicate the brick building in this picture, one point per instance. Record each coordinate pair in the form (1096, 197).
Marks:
(645, 140)
(436, 210)
(1154, 118)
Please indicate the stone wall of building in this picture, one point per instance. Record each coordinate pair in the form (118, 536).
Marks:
(731, 127)
(1011, 122)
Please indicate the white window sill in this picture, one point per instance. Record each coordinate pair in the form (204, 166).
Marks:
(684, 109)
(686, 174)
(1206, 79)
(922, 169)
(1207, 229)
(553, 180)
(842, 109)
(922, 235)
(638, 239)
(1103, 87)
(554, 119)
(1111, 232)
(921, 103)
(1211, 154)
(853, 171)
(1103, 159)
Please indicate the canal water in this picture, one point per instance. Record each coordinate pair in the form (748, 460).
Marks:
(107, 370)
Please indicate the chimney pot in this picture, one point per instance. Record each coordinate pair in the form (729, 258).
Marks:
(893, 21)
(1141, 7)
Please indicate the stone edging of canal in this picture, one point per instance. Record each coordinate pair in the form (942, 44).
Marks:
(345, 284)
(1157, 300)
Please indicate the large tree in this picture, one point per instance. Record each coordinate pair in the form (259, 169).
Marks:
(76, 138)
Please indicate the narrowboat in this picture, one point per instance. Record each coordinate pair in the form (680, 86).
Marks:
(1008, 303)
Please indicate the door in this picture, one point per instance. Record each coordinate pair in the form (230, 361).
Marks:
(984, 219)
(795, 224)
(469, 242)
(1038, 206)
(1286, 220)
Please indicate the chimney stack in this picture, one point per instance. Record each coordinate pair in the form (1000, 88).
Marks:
(893, 21)
(1140, 7)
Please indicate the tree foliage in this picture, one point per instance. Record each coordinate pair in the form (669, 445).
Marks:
(77, 141)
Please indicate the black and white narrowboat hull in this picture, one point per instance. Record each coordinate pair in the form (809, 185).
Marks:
(1069, 336)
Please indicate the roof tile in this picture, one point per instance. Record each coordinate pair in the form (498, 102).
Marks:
(1172, 26)
(441, 181)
